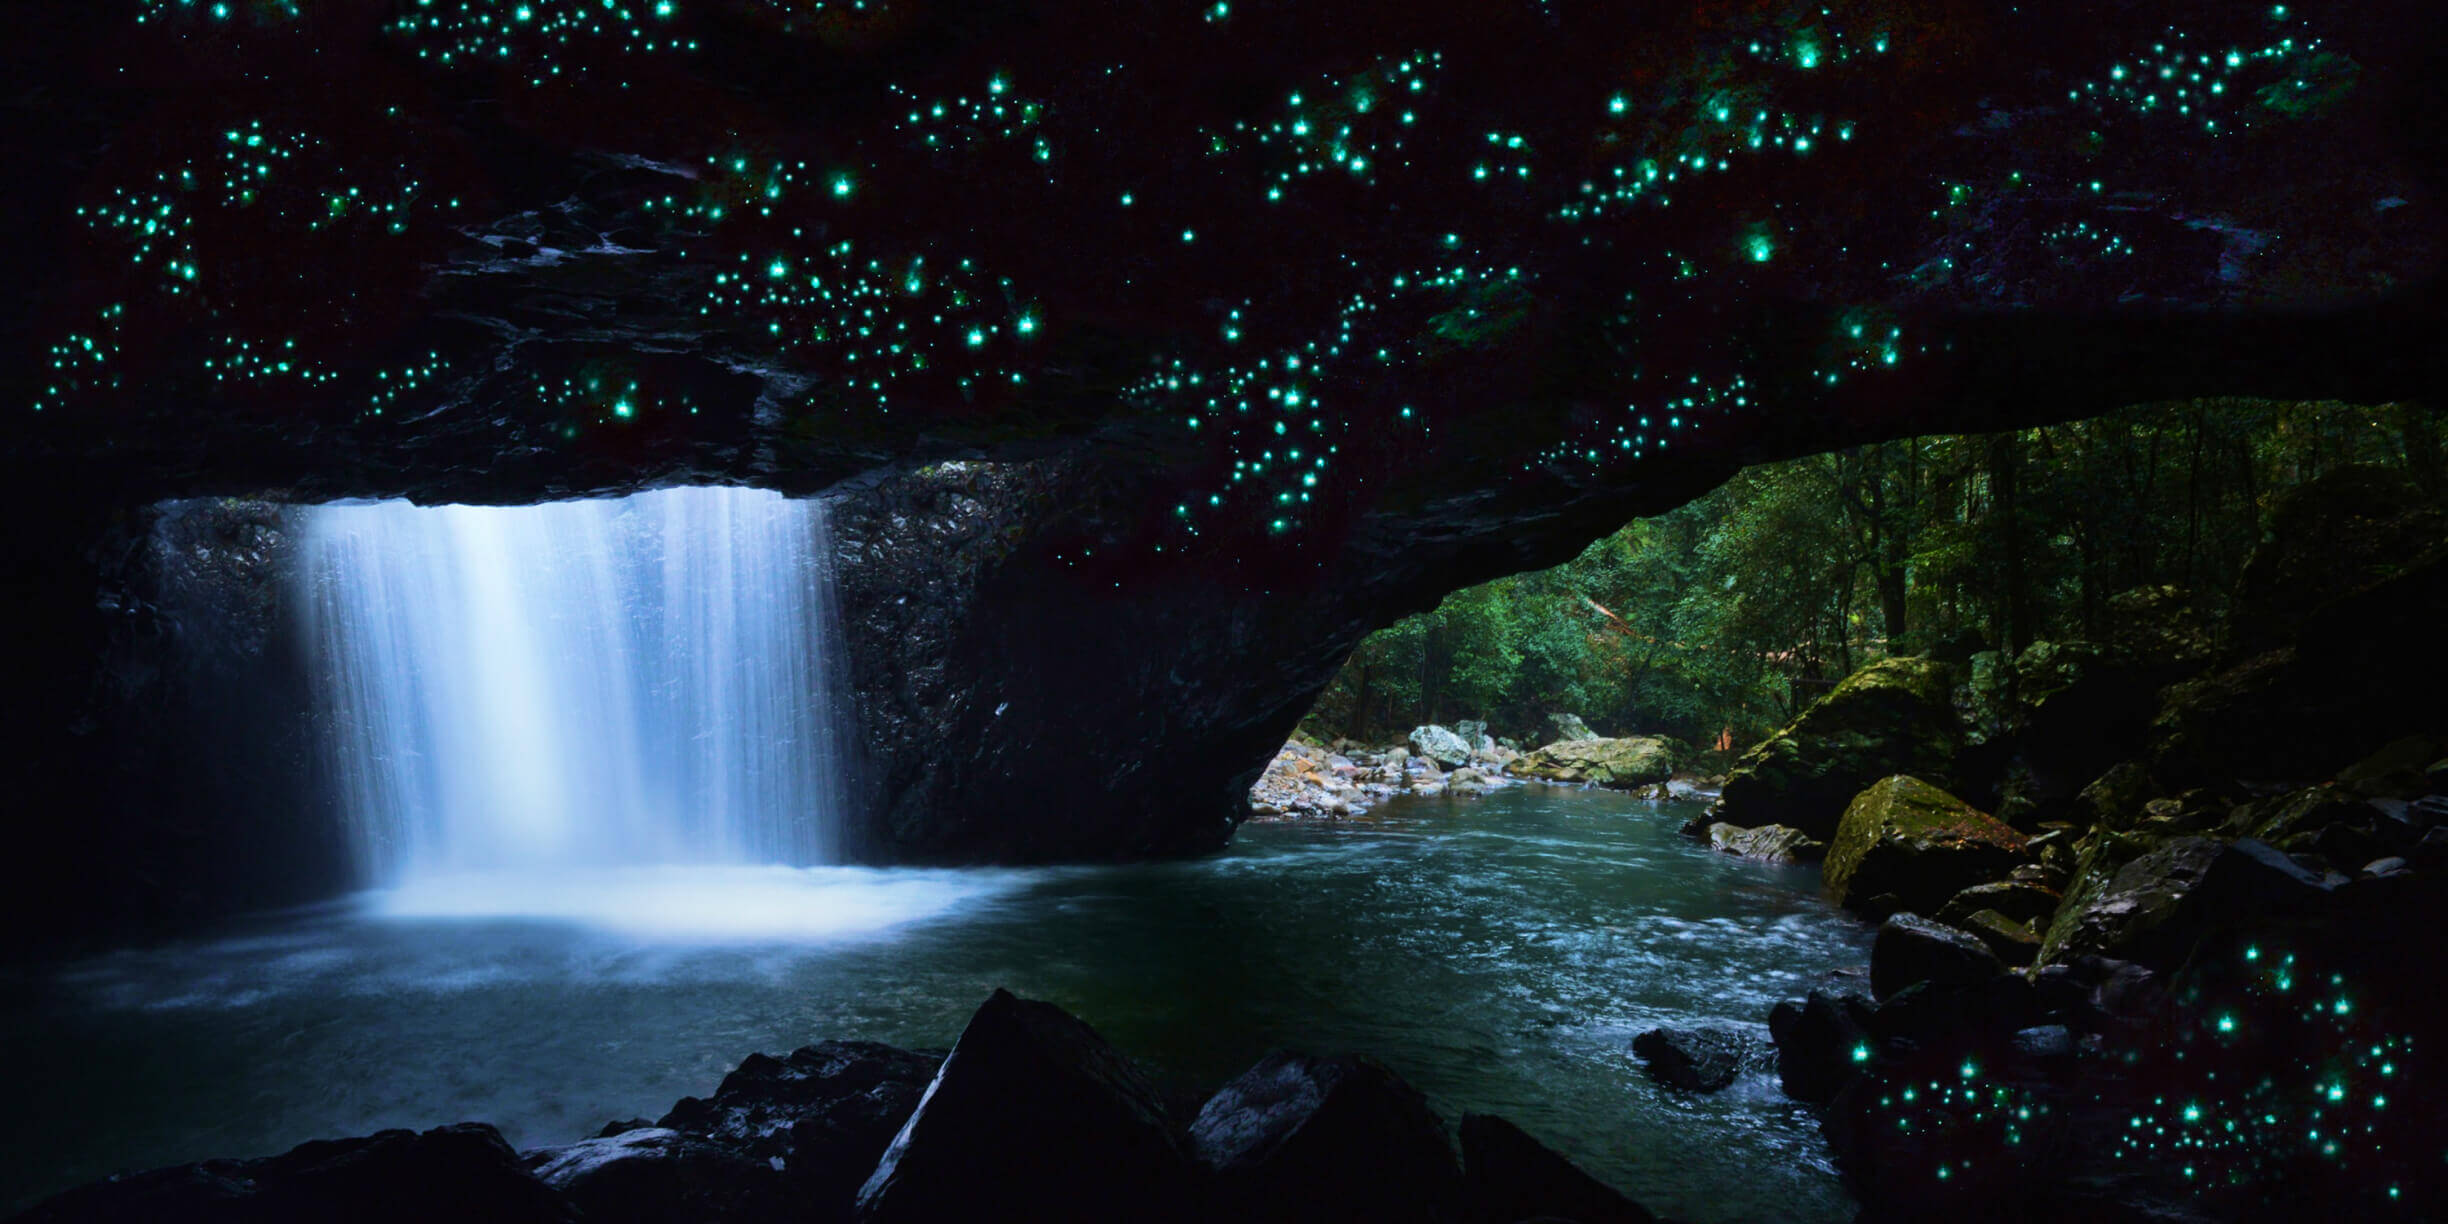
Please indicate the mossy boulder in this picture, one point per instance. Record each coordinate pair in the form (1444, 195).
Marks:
(1906, 840)
(1896, 716)
(1625, 763)
(2153, 906)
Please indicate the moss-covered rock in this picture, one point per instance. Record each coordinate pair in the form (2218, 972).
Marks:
(1632, 761)
(1906, 839)
(2153, 906)
(1896, 716)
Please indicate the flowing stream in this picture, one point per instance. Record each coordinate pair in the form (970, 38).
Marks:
(1501, 953)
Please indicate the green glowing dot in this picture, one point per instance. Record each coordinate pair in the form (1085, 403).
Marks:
(976, 337)
(1761, 248)
(1189, 235)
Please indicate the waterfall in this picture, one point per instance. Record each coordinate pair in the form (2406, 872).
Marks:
(615, 683)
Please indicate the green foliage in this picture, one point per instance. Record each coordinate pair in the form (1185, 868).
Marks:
(1731, 613)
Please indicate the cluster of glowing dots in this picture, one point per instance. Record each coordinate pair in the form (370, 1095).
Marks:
(82, 361)
(1865, 346)
(1645, 428)
(243, 361)
(2184, 80)
(735, 187)
(960, 122)
(281, 181)
(2243, 1117)
(1815, 47)
(1272, 423)
(2081, 240)
(1963, 1114)
(217, 11)
(1507, 159)
(461, 33)
(1345, 129)
(393, 388)
(597, 397)
(1720, 134)
(878, 321)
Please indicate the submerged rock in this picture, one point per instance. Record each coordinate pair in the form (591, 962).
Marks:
(1511, 1176)
(1622, 764)
(1326, 1139)
(1894, 716)
(1768, 843)
(461, 1173)
(1032, 1115)
(1905, 839)
(1697, 1060)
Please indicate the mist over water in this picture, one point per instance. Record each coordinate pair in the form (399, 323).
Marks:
(613, 683)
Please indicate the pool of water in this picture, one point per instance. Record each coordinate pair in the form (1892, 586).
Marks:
(1499, 952)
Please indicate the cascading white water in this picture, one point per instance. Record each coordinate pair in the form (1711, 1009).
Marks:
(619, 683)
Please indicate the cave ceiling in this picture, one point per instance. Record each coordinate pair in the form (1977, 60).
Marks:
(1288, 263)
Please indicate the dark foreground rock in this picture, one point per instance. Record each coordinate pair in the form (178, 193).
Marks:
(1325, 1139)
(821, 1117)
(654, 1174)
(1032, 1112)
(1511, 1176)
(463, 1172)
(1696, 1060)
(1910, 948)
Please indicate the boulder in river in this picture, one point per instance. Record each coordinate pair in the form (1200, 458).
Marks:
(1033, 1115)
(1622, 764)
(1512, 1176)
(1316, 1139)
(1564, 728)
(1894, 716)
(1822, 1040)
(1905, 839)
(1768, 843)
(1435, 743)
(1696, 1060)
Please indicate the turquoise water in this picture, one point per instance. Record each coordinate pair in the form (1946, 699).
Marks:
(1499, 952)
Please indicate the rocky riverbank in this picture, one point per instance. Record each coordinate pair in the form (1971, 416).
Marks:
(1030, 1115)
(1310, 780)
(2159, 914)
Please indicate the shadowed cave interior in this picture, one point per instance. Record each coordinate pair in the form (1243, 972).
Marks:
(866, 609)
